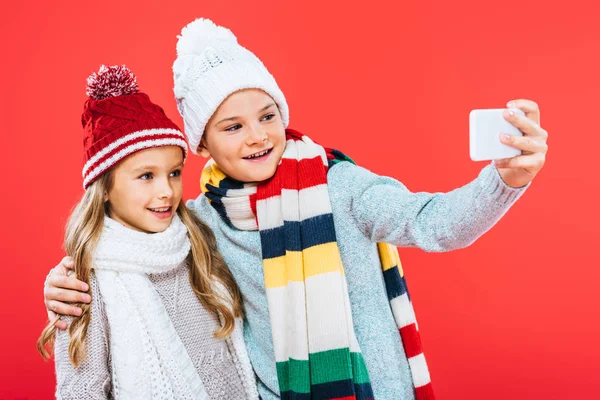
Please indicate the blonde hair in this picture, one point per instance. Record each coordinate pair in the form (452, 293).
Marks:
(206, 267)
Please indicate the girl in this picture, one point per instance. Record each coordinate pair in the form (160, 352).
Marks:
(158, 284)
(303, 229)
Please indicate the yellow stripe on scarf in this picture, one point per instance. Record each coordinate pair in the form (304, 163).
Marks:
(211, 175)
(389, 257)
(317, 260)
(291, 263)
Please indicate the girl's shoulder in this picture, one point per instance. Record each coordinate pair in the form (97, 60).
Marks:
(97, 306)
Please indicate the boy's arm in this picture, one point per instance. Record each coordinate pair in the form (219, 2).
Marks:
(386, 211)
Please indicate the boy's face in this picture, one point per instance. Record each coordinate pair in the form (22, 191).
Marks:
(245, 136)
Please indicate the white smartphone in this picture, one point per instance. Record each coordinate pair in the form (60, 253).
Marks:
(485, 127)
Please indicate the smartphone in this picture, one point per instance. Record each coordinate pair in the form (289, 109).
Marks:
(485, 127)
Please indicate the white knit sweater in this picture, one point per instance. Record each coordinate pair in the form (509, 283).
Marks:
(222, 365)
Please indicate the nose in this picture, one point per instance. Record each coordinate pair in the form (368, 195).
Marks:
(164, 189)
(256, 134)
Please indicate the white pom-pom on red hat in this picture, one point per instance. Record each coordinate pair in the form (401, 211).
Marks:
(112, 81)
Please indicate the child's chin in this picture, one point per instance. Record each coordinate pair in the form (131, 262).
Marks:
(258, 178)
(158, 226)
(263, 175)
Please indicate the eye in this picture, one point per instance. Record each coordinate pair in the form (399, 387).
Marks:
(233, 128)
(268, 117)
(176, 173)
(146, 176)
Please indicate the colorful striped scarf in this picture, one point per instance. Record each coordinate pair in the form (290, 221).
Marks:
(316, 351)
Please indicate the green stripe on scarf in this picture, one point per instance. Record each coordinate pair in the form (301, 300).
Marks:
(324, 369)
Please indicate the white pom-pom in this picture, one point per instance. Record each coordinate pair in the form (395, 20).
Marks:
(111, 81)
(196, 35)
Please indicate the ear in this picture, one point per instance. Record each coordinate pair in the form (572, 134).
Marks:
(105, 197)
(202, 149)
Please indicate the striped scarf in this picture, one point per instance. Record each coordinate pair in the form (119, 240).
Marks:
(316, 351)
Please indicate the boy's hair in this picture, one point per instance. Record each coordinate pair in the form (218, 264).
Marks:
(206, 264)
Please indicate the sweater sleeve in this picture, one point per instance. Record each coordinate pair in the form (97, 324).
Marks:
(92, 378)
(386, 211)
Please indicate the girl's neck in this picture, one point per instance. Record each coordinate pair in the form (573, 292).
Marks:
(123, 249)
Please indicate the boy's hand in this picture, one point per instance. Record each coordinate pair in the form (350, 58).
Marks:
(520, 170)
(60, 289)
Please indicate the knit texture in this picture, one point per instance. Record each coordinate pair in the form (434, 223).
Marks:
(210, 66)
(367, 209)
(122, 360)
(148, 358)
(316, 350)
(118, 121)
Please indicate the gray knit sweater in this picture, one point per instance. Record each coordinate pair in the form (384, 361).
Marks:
(215, 360)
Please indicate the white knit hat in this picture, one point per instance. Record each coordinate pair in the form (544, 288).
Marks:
(210, 66)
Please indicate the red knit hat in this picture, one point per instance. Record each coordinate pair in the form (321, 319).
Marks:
(118, 120)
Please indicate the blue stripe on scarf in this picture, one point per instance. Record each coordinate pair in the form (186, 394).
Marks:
(394, 283)
(329, 390)
(364, 391)
(229, 183)
(216, 192)
(318, 230)
(315, 231)
(289, 395)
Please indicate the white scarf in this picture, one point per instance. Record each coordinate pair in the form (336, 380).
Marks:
(149, 361)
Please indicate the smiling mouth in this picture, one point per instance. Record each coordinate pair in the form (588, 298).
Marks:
(258, 155)
(160, 210)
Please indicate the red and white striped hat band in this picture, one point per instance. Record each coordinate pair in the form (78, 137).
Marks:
(119, 120)
(127, 145)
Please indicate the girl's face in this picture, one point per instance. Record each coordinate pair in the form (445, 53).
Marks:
(147, 189)
(245, 136)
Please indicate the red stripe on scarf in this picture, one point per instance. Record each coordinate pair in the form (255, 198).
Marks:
(253, 207)
(310, 169)
(424, 392)
(270, 188)
(411, 340)
(286, 177)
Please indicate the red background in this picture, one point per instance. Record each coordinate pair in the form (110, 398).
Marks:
(391, 84)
